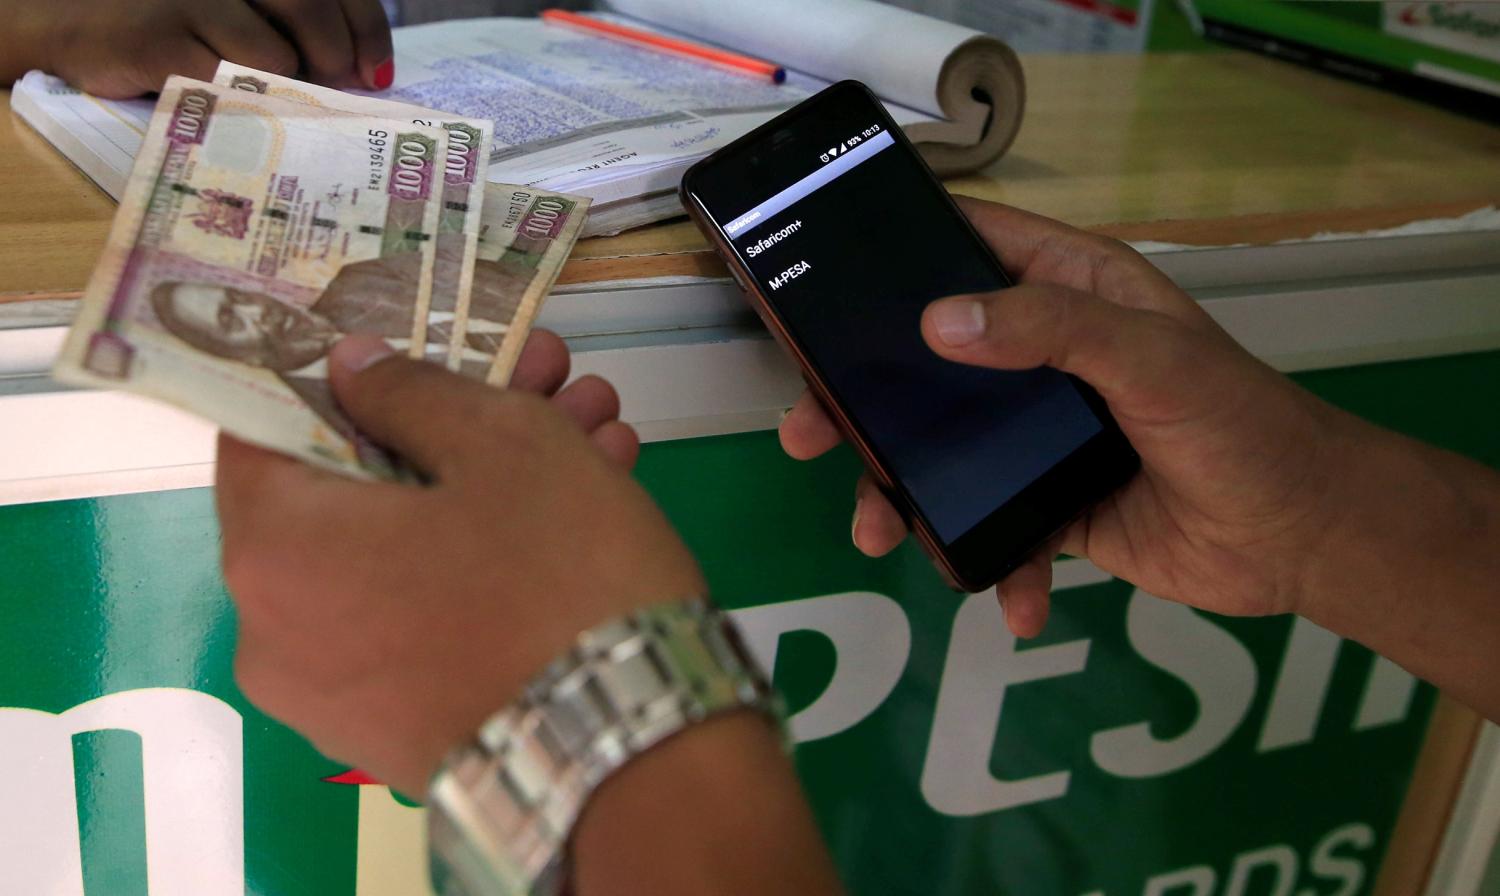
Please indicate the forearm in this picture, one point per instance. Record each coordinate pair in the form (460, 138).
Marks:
(714, 811)
(1411, 565)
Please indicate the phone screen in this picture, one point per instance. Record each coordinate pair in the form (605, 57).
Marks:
(849, 238)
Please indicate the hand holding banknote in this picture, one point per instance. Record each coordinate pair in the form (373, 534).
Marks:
(265, 219)
(116, 50)
(516, 483)
(386, 623)
(240, 210)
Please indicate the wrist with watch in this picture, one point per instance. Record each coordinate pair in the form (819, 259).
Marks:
(502, 807)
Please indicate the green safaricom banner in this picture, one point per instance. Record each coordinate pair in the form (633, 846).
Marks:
(1138, 748)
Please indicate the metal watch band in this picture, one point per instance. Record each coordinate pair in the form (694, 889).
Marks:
(502, 808)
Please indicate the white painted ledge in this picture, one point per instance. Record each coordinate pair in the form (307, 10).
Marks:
(696, 364)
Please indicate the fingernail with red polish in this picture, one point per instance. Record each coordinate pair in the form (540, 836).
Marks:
(385, 74)
(355, 353)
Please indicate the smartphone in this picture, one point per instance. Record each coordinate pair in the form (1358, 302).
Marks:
(840, 236)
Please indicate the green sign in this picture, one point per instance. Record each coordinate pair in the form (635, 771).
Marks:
(1432, 40)
(1137, 747)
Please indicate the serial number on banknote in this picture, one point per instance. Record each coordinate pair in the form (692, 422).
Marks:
(377, 140)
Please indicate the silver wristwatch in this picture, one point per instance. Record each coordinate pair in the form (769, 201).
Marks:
(502, 808)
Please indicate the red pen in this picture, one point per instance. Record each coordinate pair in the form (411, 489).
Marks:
(721, 58)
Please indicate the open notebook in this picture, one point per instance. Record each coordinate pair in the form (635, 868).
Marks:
(620, 124)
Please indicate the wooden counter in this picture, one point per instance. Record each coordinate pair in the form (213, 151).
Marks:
(1204, 148)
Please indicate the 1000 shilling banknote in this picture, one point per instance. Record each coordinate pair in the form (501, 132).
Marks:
(253, 233)
(527, 235)
(465, 156)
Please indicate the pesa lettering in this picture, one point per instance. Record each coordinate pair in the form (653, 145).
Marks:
(986, 666)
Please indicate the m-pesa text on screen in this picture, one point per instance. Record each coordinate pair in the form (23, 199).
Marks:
(786, 276)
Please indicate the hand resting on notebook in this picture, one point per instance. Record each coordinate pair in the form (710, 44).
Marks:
(116, 49)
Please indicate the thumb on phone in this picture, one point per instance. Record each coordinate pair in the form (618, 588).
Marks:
(1135, 358)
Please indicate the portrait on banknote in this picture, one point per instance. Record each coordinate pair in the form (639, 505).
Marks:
(241, 324)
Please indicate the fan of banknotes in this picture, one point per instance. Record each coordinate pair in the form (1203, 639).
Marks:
(265, 218)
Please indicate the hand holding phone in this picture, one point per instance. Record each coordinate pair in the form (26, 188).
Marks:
(841, 236)
(1240, 467)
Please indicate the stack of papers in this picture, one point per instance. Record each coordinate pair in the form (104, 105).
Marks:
(583, 114)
